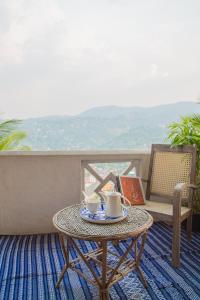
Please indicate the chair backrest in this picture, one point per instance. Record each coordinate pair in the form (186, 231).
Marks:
(169, 166)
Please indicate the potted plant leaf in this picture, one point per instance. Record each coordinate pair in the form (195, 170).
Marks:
(187, 132)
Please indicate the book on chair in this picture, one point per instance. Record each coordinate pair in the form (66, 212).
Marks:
(131, 187)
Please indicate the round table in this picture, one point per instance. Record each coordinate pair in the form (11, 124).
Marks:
(71, 226)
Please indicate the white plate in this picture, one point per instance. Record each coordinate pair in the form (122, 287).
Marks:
(100, 217)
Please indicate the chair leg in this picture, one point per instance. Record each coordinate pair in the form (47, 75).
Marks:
(189, 227)
(115, 243)
(176, 242)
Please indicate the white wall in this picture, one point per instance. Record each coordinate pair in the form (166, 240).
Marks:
(35, 185)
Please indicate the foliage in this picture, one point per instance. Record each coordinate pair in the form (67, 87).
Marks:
(187, 132)
(10, 138)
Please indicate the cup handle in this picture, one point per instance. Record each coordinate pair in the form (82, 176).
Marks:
(83, 203)
(126, 200)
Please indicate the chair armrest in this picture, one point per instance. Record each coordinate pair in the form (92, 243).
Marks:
(180, 187)
(178, 190)
(193, 186)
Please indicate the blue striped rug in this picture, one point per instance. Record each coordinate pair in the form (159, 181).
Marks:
(30, 265)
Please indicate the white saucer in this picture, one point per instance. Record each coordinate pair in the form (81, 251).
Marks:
(100, 216)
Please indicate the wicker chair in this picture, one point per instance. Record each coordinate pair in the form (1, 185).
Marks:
(171, 177)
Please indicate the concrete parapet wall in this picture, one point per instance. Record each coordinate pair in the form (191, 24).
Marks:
(35, 185)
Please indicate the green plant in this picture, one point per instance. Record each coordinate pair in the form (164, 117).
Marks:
(10, 138)
(187, 132)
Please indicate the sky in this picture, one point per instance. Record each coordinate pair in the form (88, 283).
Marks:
(61, 57)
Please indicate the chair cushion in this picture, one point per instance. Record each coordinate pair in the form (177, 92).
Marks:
(160, 208)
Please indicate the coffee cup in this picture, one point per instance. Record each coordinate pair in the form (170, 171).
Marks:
(92, 202)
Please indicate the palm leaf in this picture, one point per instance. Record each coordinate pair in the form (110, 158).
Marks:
(10, 138)
(8, 126)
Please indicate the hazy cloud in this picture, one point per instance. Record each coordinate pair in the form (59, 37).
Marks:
(61, 56)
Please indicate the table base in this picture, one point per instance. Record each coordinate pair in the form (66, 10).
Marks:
(109, 275)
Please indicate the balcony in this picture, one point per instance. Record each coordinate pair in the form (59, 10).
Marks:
(35, 185)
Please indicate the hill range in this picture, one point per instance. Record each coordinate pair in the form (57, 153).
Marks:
(107, 127)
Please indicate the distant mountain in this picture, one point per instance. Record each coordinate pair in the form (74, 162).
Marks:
(107, 127)
(110, 112)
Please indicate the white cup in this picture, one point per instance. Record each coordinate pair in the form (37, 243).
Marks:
(92, 202)
(92, 206)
